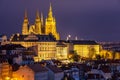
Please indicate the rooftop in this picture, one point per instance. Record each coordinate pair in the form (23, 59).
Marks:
(55, 69)
(84, 42)
(10, 46)
(32, 37)
(37, 68)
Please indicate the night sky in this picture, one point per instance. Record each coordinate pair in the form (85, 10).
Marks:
(87, 19)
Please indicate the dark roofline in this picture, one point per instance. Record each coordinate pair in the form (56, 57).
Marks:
(21, 38)
(55, 69)
(84, 42)
(37, 68)
(11, 46)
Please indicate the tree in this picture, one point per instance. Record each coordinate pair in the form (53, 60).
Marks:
(91, 52)
(98, 57)
(113, 55)
(107, 55)
(74, 56)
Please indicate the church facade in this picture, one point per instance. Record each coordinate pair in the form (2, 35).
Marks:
(40, 27)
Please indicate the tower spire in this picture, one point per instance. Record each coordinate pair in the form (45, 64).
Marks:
(50, 11)
(25, 24)
(25, 15)
(37, 23)
(50, 7)
(42, 18)
(50, 24)
(37, 14)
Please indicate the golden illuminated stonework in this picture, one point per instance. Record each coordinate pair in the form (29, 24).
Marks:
(39, 28)
(43, 36)
(50, 25)
(25, 25)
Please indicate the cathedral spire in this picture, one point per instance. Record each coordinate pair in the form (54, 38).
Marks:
(25, 15)
(37, 14)
(50, 24)
(37, 23)
(50, 11)
(25, 24)
(42, 18)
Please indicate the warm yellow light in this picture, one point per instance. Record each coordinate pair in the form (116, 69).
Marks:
(7, 78)
(14, 79)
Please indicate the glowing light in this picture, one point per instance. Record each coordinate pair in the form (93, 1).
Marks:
(7, 78)
(76, 38)
(68, 37)
(14, 79)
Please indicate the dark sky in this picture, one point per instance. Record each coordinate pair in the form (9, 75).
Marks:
(87, 19)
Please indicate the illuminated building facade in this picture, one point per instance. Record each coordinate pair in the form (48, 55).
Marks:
(39, 28)
(110, 50)
(45, 44)
(6, 71)
(45, 50)
(31, 72)
(61, 50)
(86, 48)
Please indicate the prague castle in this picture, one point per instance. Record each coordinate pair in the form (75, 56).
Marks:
(45, 38)
(38, 53)
(39, 28)
(42, 35)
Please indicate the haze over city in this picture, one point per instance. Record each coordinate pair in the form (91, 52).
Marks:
(88, 19)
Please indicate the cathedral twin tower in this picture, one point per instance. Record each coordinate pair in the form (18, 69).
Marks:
(39, 28)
